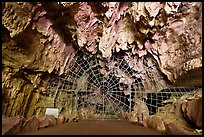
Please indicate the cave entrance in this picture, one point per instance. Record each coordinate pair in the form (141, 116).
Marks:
(92, 91)
(97, 101)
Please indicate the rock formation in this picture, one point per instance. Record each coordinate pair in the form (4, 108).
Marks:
(41, 40)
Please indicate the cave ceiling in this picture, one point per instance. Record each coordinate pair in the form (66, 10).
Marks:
(41, 40)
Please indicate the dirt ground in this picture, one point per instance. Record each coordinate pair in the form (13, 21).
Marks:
(93, 127)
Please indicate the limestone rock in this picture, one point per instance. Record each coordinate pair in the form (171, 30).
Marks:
(181, 114)
(30, 56)
(140, 114)
(43, 122)
(175, 129)
(155, 122)
(41, 39)
(31, 125)
(60, 119)
(52, 120)
(16, 17)
(36, 122)
(11, 125)
(192, 112)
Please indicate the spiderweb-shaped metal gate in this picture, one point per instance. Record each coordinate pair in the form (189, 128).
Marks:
(94, 94)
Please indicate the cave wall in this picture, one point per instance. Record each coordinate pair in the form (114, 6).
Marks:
(41, 39)
(32, 49)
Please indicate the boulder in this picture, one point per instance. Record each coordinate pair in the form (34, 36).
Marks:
(155, 122)
(140, 114)
(60, 119)
(43, 122)
(11, 125)
(31, 124)
(192, 112)
(175, 129)
(52, 120)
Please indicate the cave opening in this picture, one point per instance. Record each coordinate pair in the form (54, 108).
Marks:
(105, 95)
(66, 62)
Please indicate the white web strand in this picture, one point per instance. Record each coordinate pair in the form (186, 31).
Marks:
(104, 95)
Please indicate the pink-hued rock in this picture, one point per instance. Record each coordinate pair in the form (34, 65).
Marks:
(192, 112)
(175, 129)
(60, 119)
(44, 37)
(184, 57)
(11, 125)
(32, 124)
(36, 122)
(52, 120)
(43, 122)
(88, 27)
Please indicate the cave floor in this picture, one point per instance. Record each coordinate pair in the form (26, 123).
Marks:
(96, 127)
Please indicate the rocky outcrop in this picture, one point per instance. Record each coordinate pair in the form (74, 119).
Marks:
(60, 119)
(43, 122)
(176, 129)
(174, 44)
(35, 123)
(52, 120)
(12, 125)
(42, 39)
(140, 115)
(17, 17)
(35, 50)
(20, 125)
(181, 117)
(167, 31)
(30, 125)
(192, 112)
(32, 49)
(156, 123)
